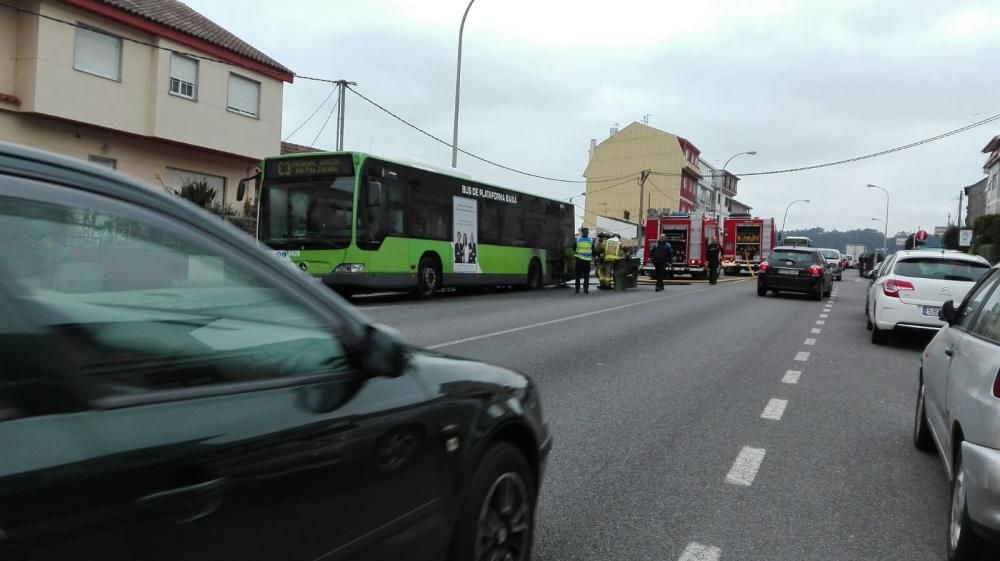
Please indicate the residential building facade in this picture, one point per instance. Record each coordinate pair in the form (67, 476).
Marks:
(975, 196)
(148, 87)
(992, 170)
(672, 183)
(716, 189)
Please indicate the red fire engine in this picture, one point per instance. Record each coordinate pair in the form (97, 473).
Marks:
(745, 242)
(688, 234)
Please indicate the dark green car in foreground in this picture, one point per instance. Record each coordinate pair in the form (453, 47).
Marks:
(171, 391)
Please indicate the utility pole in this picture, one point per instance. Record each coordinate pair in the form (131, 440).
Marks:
(341, 98)
(642, 194)
(961, 196)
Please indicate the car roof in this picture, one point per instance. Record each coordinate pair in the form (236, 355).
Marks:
(827, 249)
(942, 253)
(798, 248)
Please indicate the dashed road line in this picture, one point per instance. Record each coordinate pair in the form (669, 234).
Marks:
(809, 341)
(821, 322)
(774, 409)
(745, 468)
(697, 552)
(815, 330)
(824, 315)
(791, 377)
(802, 356)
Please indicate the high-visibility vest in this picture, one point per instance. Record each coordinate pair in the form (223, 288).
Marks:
(584, 249)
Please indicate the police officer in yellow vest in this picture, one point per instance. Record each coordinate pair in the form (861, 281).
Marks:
(584, 249)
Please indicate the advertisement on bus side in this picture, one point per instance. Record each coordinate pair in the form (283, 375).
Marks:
(465, 225)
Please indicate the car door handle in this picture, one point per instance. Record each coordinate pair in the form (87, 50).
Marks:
(949, 351)
(187, 503)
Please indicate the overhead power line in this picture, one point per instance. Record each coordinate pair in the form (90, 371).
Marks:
(309, 118)
(325, 123)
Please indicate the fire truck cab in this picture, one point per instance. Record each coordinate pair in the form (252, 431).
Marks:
(688, 234)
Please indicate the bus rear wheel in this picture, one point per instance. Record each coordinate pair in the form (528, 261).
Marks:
(534, 276)
(428, 278)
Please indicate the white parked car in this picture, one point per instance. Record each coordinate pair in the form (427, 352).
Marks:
(911, 287)
(958, 412)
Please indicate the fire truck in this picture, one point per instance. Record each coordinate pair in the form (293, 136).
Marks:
(688, 234)
(745, 242)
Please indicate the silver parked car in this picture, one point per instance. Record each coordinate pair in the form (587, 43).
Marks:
(958, 413)
(832, 257)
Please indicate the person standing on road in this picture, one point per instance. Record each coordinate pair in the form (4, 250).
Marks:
(660, 254)
(584, 248)
(713, 253)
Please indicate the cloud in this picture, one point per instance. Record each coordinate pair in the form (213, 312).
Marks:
(800, 82)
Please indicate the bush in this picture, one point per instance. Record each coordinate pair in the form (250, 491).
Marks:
(950, 239)
(986, 231)
(198, 192)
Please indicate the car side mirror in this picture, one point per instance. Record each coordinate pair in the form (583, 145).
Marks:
(947, 313)
(241, 190)
(373, 194)
(384, 353)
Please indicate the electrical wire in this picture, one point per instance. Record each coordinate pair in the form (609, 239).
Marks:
(477, 157)
(309, 118)
(326, 122)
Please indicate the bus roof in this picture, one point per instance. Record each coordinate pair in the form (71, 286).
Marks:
(411, 162)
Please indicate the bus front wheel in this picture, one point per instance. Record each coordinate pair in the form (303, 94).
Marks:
(428, 278)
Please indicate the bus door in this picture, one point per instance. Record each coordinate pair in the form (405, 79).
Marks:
(381, 213)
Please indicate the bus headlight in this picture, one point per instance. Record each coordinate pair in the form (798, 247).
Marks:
(350, 268)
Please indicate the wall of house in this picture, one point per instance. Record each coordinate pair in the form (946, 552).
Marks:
(632, 149)
(143, 158)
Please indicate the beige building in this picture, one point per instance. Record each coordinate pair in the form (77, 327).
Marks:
(148, 87)
(672, 183)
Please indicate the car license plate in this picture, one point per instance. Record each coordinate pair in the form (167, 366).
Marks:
(930, 310)
(788, 271)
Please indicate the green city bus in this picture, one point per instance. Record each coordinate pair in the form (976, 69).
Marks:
(362, 223)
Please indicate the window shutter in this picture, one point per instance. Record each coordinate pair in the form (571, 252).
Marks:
(97, 53)
(184, 69)
(244, 95)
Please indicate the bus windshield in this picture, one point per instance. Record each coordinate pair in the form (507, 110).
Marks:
(309, 213)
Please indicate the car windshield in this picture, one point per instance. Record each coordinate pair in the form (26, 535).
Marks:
(307, 214)
(940, 269)
(830, 253)
(782, 258)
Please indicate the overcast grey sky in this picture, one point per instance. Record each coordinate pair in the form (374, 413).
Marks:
(799, 82)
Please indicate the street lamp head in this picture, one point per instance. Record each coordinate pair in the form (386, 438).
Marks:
(752, 152)
(806, 200)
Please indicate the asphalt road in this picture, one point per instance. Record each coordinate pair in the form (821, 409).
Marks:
(679, 434)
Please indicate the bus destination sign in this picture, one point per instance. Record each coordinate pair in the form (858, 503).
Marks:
(292, 168)
(481, 193)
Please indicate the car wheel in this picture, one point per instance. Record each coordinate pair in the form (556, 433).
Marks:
(963, 542)
(839, 278)
(921, 432)
(869, 322)
(879, 336)
(497, 518)
(428, 278)
(828, 291)
(761, 291)
(818, 295)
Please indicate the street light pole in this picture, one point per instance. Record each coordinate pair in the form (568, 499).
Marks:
(458, 86)
(885, 233)
(750, 153)
(782, 232)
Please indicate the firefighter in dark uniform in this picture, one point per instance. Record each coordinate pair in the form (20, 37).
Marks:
(714, 254)
(660, 255)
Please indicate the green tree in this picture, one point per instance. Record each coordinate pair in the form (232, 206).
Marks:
(198, 192)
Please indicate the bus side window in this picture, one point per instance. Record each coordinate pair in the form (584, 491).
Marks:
(430, 206)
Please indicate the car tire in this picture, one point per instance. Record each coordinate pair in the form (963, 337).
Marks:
(921, 432)
(481, 519)
(839, 278)
(828, 291)
(761, 291)
(879, 336)
(818, 295)
(428, 278)
(869, 322)
(962, 541)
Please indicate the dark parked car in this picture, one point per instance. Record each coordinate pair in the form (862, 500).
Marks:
(171, 391)
(795, 269)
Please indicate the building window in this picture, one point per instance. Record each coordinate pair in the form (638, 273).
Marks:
(102, 161)
(176, 179)
(98, 53)
(183, 76)
(244, 96)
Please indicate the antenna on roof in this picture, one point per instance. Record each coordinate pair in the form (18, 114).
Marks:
(645, 118)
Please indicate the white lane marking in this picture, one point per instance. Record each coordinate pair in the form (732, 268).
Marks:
(366, 308)
(802, 356)
(815, 330)
(562, 319)
(821, 322)
(775, 409)
(744, 469)
(791, 377)
(824, 315)
(809, 341)
(697, 552)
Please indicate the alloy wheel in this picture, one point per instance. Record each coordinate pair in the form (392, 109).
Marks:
(504, 527)
(957, 509)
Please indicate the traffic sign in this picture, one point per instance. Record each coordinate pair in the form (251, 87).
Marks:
(900, 241)
(940, 230)
(964, 238)
(921, 236)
